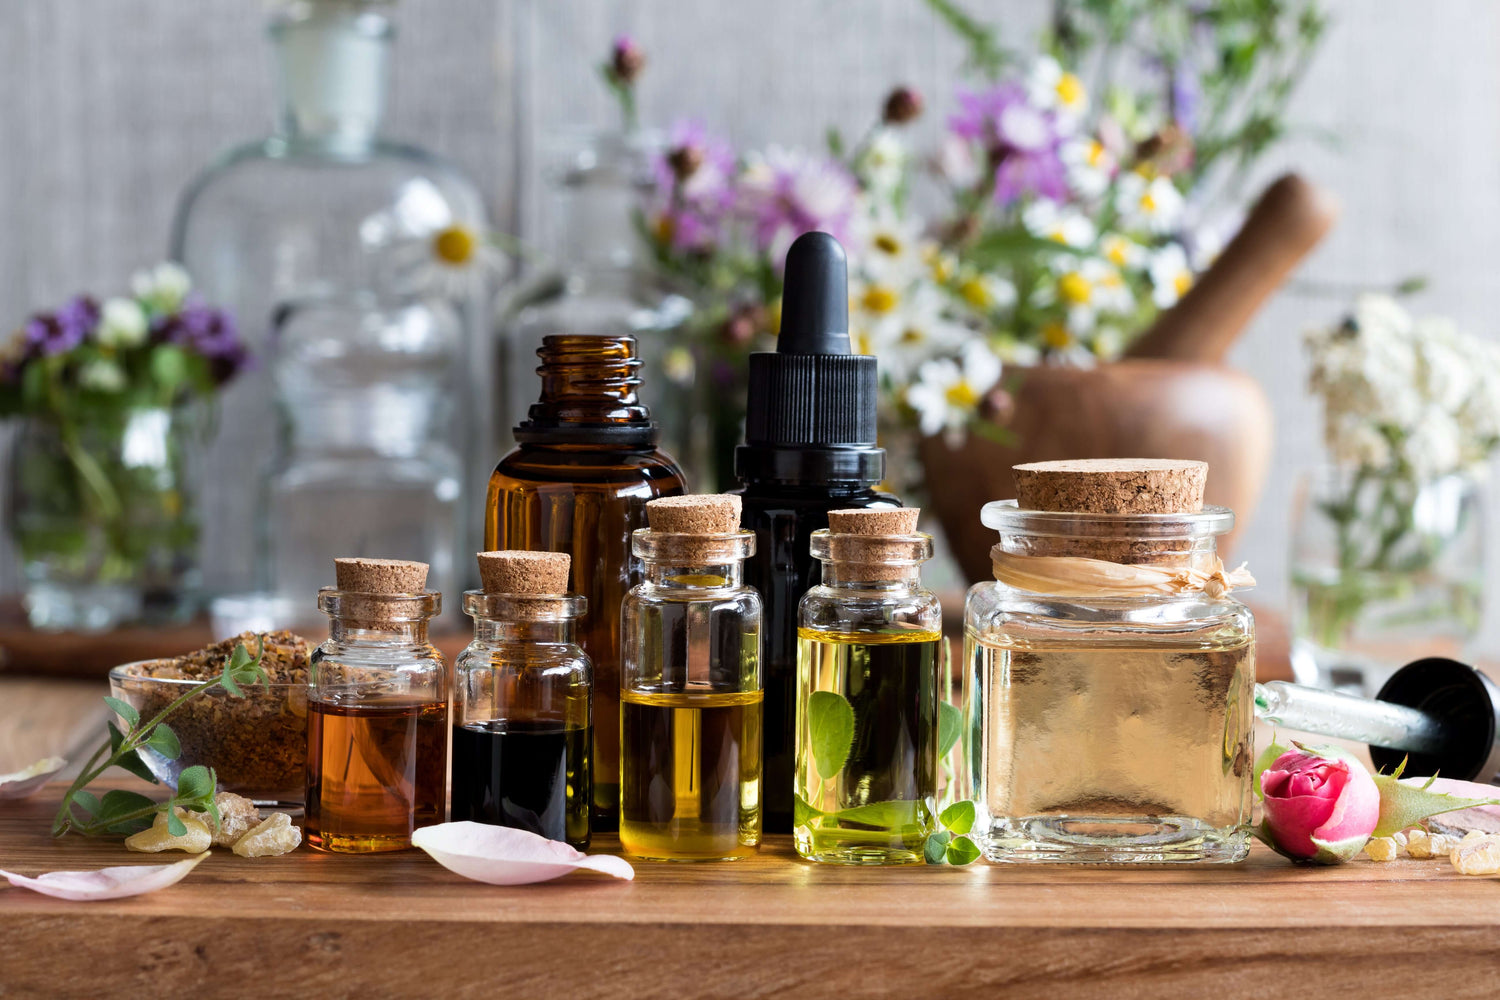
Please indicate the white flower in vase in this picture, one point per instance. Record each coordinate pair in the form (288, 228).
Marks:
(906, 337)
(947, 393)
(1153, 205)
(1171, 276)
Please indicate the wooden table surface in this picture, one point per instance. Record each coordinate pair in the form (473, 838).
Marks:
(398, 924)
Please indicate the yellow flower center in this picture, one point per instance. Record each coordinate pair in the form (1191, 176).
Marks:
(1096, 153)
(975, 293)
(664, 229)
(879, 299)
(1070, 91)
(962, 395)
(942, 269)
(886, 243)
(455, 245)
(1074, 288)
(1057, 336)
(1116, 250)
(1148, 203)
(911, 336)
(1182, 282)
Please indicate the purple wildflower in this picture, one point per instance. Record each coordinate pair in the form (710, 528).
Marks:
(694, 188)
(1021, 141)
(786, 193)
(46, 333)
(626, 59)
(1186, 96)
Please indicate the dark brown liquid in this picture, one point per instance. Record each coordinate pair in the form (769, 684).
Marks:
(375, 772)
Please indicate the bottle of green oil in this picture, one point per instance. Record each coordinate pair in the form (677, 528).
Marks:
(869, 652)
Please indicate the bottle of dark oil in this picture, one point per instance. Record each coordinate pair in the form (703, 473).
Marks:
(522, 721)
(868, 661)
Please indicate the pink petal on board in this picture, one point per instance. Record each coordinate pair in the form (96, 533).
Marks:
(1486, 818)
(106, 883)
(503, 855)
(20, 784)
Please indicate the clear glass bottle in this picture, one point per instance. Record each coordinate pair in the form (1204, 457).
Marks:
(321, 220)
(691, 696)
(522, 729)
(377, 722)
(585, 465)
(869, 651)
(1113, 728)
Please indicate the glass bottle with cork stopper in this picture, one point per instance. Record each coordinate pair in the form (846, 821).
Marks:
(690, 711)
(585, 464)
(377, 710)
(1112, 671)
(869, 647)
(522, 728)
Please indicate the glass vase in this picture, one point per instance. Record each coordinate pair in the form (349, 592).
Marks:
(104, 516)
(1385, 569)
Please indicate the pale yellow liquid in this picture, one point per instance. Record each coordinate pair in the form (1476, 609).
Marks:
(1117, 751)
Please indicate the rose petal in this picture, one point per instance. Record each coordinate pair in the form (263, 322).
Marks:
(106, 883)
(20, 784)
(503, 855)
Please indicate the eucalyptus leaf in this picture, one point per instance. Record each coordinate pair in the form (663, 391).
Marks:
(891, 815)
(164, 741)
(962, 851)
(959, 817)
(803, 813)
(124, 710)
(830, 724)
(936, 848)
(950, 728)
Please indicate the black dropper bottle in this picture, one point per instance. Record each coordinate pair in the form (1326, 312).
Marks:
(809, 448)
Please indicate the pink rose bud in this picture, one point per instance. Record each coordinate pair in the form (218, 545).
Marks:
(1320, 805)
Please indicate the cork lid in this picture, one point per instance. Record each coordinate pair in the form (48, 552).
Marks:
(1112, 486)
(874, 543)
(380, 576)
(695, 514)
(511, 571)
(378, 593)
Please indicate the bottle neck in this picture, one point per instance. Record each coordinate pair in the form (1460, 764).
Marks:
(403, 633)
(494, 630)
(855, 576)
(332, 69)
(589, 394)
(675, 577)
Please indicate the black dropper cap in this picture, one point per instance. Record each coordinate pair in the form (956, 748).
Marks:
(812, 403)
(1465, 702)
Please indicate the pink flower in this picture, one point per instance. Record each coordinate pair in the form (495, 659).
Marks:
(786, 193)
(693, 184)
(1020, 140)
(1320, 805)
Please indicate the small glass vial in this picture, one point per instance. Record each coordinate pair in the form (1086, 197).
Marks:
(691, 697)
(869, 645)
(1113, 675)
(522, 724)
(377, 711)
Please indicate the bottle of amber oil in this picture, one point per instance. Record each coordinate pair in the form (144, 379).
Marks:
(690, 705)
(522, 729)
(869, 645)
(377, 710)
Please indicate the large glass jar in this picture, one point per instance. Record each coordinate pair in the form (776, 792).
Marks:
(690, 701)
(377, 723)
(522, 725)
(1114, 719)
(869, 649)
(326, 209)
(104, 515)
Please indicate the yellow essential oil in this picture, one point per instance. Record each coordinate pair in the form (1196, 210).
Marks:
(877, 805)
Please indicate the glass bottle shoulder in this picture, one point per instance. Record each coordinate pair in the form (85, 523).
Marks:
(993, 610)
(842, 610)
(742, 603)
(361, 657)
(534, 468)
(562, 663)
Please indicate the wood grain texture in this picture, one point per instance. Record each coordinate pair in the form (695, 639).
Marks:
(401, 925)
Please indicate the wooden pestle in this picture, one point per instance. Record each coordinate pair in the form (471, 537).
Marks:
(1288, 220)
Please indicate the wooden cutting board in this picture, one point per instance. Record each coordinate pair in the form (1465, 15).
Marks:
(320, 925)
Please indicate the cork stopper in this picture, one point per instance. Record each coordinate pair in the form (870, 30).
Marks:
(875, 544)
(695, 514)
(1126, 486)
(1112, 486)
(378, 579)
(510, 571)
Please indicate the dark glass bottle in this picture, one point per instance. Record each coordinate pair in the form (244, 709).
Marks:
(810, 436)
(585, 464)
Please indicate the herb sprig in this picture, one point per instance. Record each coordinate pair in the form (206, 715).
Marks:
(120, 811)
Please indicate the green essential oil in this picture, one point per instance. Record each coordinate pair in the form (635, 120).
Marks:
(867, 745)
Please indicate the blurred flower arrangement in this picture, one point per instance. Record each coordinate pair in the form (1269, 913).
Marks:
(1411, 413)
(111, 398)
(1053, 220)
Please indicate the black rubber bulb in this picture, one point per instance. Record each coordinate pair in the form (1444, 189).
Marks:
(815, 298)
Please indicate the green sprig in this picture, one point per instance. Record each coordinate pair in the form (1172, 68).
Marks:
(123, 812)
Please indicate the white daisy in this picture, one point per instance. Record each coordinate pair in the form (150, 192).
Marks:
(1152, 205)
(163, 288)
(122, 323)
(906, 337)
(102, 375)
(1050, 87)
(986, 293)
(947, 392)
(1059, 223)
(1171, 276)
(1090, 166)
(882, 162)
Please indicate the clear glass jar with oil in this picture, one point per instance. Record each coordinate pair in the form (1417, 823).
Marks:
(691, 701)
(1113, 727)
(522, 723)
(869, 654)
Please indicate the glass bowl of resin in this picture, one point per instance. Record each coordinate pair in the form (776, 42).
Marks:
(256, 744)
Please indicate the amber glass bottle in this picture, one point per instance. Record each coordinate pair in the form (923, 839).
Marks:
(585, 464)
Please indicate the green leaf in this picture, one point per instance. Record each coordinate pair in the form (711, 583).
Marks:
(959, 817)
(1267, 757)
(132, 762)
(118, 803)
(165, 742)
(803, 813)
(124, 710)
(87, 801)
(830, 723)
(950, 727)
(196, 782)
(1336, 852)
(936, 848)
(891, 815)
(962, 851)
(175, 826)
(1403, 805)
(169, 369)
